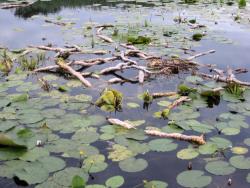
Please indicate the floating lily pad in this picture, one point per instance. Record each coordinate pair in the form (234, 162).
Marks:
(133, 105)
(133, 165)
(94, 163)
(115, 181)
(221, 143)
(219, 168)
(32, 174)
(248, 178)
(119, 153)
(247, 141)
(188, 153)
(35, 154)
(230, 131)
(193, 178)
(52, 164)
(239, 150)
(240, 162)
(162, 145)
(208, 148)
(65, 176)
(155, 184)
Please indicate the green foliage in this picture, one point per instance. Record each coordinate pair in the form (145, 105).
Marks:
(147, 97)
(197, 36)
(110, 100)
(77, 182)
(185, 90)
(192, 21)
(242, 3)
(235, 89)
(6, 63)
(139, 40)
(29, 63)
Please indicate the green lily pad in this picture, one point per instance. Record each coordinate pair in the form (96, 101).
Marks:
(119, 153)
(240, 162)
(34, 154)
(239, 150)
(155, 184)
(193, 178)
(162, 145)
(77, 182)
(115, 181)
(32, 174)
(94, 163)
(133, 165)
(219, 168)
(52, 164)
(230, 131)
(221, 143)
(133, 105)
(248, 178)
(188, 153)
(208, 148)
(247, 141)
(65, 176)
(9, 153)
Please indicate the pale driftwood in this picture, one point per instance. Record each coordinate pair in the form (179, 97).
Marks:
(123, 58)
(69, 69)
(49, 68)
(118, 67)
(163, 94)
(223, 79)
(190, 138)
(103, 37)
(116, 80)
(196, 26)
(218, 71)
(15, 5)
(200, 54)
(91, 75)
(141, 76)
(121, 123)
(69, 50)
(178, 101)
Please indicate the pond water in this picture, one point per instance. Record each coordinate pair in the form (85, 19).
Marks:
(76, 138)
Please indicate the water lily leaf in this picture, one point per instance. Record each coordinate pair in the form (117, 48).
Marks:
(155, 184)
(221, 143)
(65, 176)
(115, 181)
(10, 167)
(219, 168)
(240, 162)
(32, 174)
(4, 102)
(77, 182)
(162, 145)
(248, 178)
(208, 148)
(133, 105)
(94, 163)
(133, 165)
(194, 79)
(188, 153)
(30, 118)
(9, 153)
(34, 154)
(193, 178)
(52, 164)
(86, 137)
(19, 97)
(247, 141)
(96, 186)
(119, 153)
(230, 131)
(239, 150)
(163, 103)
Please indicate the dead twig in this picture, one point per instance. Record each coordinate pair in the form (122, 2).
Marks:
(121, 123)
(190, 138)
(200, 54)
(69, 69)
(163, 94)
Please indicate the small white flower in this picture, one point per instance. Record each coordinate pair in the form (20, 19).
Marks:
(38, 143)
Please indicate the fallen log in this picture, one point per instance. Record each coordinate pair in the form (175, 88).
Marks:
(103, 37)
(200, 54)
(15, 5)
(120, 123)
(178, 101)
(223, 79)
(190, 138)
(163, 94)
(69, 69)
(141, 76)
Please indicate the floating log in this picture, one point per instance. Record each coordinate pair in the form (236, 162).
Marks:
(69, 69)
(163, 94)
(200, 54)
(120, 123)
(190, 138)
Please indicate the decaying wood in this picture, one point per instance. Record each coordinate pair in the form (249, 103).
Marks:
(91, 75)
(49, 68)
(223, 79)
(125, 59)
(121, 123)
(196, 26)
(56, 23)
(69, 69)
(15, 5)
(104, 26)
(190, 138)
(178, 101)
(116, 80)
(141, 76)
(65, 52)
(163, 94)
(200, 54)
(103, 37)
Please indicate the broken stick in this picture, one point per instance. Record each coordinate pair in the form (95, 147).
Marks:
(121, 123)
(78, 75)
(192, 138)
